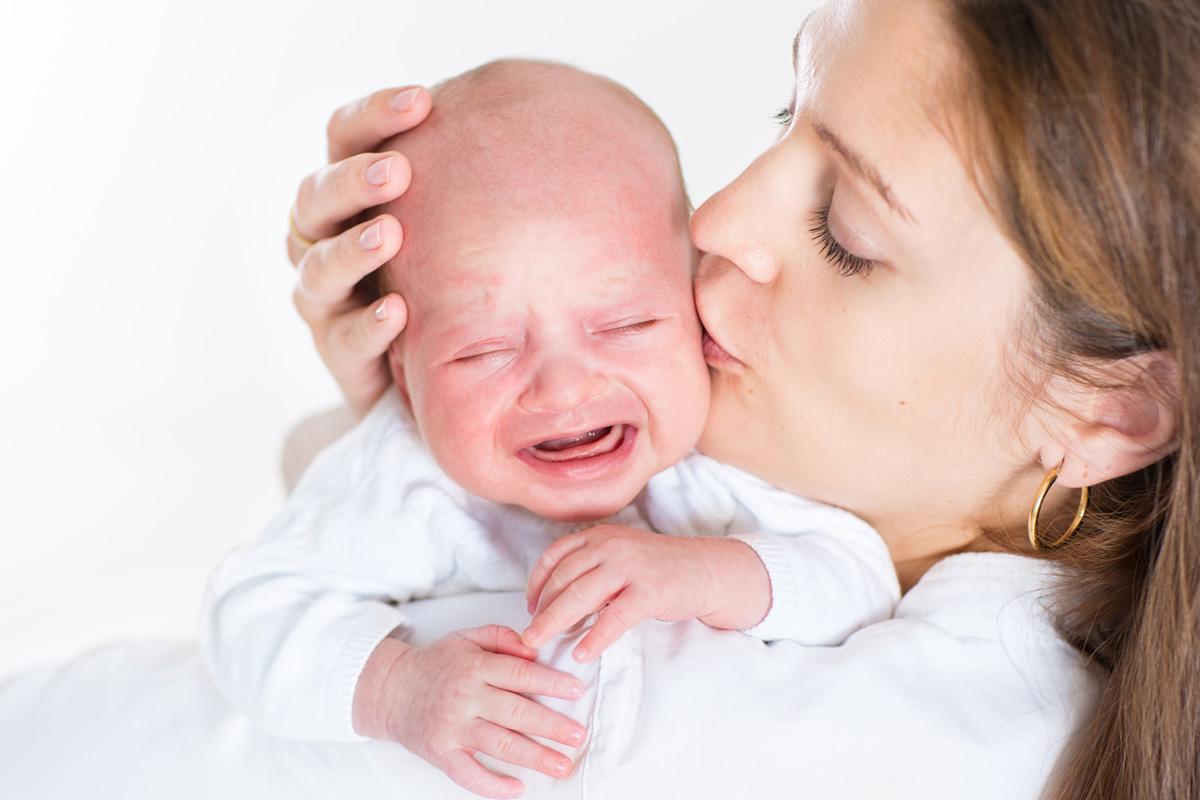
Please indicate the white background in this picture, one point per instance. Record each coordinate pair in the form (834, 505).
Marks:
(150, 360)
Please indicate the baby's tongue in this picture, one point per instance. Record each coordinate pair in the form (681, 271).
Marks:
(556, 445)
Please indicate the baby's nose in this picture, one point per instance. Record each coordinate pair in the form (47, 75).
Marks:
(562, 385)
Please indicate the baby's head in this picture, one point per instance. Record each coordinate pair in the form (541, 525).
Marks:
(552, 356)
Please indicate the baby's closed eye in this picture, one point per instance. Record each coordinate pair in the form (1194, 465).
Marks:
(633, 326)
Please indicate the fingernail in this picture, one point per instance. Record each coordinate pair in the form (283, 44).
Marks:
(562, 767)
(403, 101)
(581, 653)
(378, 173)
(370, 238)
(381, 311)
(575, 735)
(576, 690)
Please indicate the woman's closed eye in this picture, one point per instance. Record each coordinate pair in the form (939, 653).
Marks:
(847, 263)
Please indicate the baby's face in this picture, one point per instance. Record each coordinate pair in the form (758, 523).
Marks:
(552, 357)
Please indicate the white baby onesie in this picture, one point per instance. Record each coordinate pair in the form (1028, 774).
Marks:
(290, 619)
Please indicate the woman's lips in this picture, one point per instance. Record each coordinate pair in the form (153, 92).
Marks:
(714, 353)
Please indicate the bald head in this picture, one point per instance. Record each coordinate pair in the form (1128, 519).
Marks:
(512, 143)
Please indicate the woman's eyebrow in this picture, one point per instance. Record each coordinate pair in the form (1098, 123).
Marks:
(864, 169)
(796, 42)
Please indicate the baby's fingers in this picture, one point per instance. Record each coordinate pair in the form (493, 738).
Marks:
(519, 713)
(516, 749)
(581, 597)
(613, 622)
(530, 677)
(463, 769)
(547, 561)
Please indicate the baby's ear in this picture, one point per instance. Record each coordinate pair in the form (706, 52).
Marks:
(1121, 428)
(395, 359)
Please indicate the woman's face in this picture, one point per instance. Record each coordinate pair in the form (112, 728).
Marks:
(865, 294)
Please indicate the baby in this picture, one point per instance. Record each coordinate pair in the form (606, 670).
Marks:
(550, 374)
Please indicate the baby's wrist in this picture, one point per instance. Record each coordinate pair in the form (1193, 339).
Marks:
(375, 685)
(741, 586)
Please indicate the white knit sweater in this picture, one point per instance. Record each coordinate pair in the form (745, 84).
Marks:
(290, 619)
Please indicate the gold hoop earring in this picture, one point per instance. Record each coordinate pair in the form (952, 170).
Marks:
(1047, 482)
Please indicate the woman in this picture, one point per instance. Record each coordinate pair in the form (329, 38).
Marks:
(967, 268)
(1008, 197)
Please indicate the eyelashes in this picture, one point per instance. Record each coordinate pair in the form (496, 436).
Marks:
(831, 250)
(846, 262)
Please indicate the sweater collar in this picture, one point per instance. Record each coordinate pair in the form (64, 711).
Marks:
(992, 595)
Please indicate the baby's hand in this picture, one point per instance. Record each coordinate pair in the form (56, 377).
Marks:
(637, 573)
(462, 694)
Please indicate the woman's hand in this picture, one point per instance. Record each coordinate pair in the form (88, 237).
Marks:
(332, 255)
(464, 694)
(639, 575)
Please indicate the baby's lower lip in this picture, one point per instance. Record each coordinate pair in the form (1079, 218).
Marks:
(598, 459)
(597, 442)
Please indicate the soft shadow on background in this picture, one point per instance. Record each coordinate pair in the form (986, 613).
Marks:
(150, 360)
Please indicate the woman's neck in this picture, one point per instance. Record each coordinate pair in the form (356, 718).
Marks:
(914, 552)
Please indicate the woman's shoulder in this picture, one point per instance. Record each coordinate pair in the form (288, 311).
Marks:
(935, 702)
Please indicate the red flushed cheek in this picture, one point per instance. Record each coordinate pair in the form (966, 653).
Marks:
(461, 429)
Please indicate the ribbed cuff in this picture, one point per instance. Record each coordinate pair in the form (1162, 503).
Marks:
(377, 621)
(785, 583)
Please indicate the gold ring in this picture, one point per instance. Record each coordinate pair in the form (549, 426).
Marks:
(295, 233)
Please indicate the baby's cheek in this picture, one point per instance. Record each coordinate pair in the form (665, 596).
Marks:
(460, 429)
(674, 385)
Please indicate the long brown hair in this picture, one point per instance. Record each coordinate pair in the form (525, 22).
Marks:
(1086, 115)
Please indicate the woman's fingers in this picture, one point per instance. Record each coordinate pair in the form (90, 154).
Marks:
(517, 674)
(462, 768)
(513, 748)
(330, 268)
(363, 124)
(339, 191)
(518, 713)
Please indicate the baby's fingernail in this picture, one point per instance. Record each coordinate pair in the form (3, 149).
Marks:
(403, 101)
(381, 311)
(377, 174)
(576, 690)
(582, 653)
(370, 239)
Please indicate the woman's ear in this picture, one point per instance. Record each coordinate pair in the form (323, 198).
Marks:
(1105, 433)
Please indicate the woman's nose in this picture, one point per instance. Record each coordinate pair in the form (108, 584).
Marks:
(731, 224)
(560, 385)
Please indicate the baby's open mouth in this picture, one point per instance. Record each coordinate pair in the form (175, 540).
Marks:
(596, 442)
